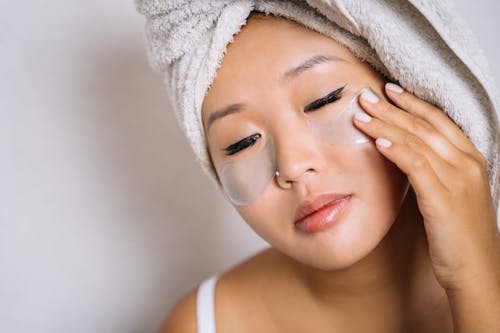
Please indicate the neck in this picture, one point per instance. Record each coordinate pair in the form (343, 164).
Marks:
(395, 280)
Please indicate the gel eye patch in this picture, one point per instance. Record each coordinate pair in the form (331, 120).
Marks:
(338, 129)
(243, 181)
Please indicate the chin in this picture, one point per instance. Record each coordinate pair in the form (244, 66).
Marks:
(341, 252)
(338, 259)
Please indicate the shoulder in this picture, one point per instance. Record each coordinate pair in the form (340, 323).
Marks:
(241, 278)
(182, 316)
(244, 292)
(234, 288)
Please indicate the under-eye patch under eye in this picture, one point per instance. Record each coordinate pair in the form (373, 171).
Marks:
(243, 181)
(338, 129)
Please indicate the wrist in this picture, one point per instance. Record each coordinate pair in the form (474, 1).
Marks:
(475, 301)
(482, 274)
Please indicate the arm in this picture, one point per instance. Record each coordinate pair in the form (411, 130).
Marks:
(450, 178)
(475, 305)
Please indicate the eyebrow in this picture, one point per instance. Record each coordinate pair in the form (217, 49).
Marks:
(286, 76)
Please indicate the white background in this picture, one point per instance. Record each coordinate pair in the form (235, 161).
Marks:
(105, 217)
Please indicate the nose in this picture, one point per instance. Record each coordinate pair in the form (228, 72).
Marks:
(298, 156)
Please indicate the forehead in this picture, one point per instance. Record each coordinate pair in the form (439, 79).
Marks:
(264, 49)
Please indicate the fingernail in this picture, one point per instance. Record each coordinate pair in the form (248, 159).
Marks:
(369, 96)
(394, 87)
(361, 116)
(383, 142)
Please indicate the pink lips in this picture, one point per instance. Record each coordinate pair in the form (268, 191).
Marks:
(326, 213)
(314, 202)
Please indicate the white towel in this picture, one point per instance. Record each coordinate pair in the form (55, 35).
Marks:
(423, 45)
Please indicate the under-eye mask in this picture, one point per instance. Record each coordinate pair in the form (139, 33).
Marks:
(243, 181)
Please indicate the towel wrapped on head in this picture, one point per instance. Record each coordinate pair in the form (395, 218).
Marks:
(424, 46)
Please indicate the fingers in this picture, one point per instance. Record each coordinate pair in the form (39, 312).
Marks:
(409, 152)
(434, 116)
(415, 125)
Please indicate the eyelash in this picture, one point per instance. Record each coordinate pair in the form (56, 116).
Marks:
(249, 141)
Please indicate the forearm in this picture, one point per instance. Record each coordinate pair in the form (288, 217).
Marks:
(476, 310)
(475, 305)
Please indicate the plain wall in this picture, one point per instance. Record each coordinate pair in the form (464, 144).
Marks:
(105, 217)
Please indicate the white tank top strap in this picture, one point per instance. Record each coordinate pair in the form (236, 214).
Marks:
(205, 310)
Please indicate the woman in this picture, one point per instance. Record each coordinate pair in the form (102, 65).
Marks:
(378, 258)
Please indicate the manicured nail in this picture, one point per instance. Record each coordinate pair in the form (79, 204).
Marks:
(369, 96)
(383, 142)
(394, 87)
(361, 116)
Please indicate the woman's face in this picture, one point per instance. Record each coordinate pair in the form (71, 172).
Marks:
(250, 73)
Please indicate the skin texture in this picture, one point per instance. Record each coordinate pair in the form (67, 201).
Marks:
(356, 257)
(249, 74)
(377, 263)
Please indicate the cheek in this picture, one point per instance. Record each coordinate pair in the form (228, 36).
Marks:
(270, 217)
(382, 185)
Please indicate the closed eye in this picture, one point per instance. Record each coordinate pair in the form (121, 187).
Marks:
(242, 144)
(250, 140)
(330, 98)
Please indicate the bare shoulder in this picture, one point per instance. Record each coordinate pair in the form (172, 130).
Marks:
(242, 289)
(246, 273)
(182, 316)
(233, 289)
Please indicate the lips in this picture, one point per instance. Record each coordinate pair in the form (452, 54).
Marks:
(314, 202)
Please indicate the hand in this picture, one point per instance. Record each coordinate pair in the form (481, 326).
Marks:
(450, 179)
